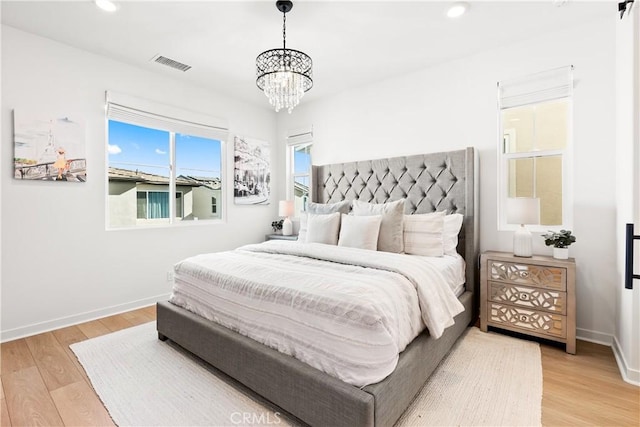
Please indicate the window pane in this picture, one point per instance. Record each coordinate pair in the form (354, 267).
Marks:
(301, 173)
(198, 173)
(552, 119)
(178, 205)
(142, 205)
(158, 204)
(301, 193)
(302, 159)
(138, 161)
(549, 189)
(521, 177)
(536, 127)
(539, 177)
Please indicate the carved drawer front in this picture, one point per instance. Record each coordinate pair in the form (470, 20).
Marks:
(524, 296)
(528, 320)
(533, 275)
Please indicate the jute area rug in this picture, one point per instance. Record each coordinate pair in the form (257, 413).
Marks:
(487, 379)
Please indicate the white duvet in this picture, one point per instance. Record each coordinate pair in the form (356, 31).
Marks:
(345, 311)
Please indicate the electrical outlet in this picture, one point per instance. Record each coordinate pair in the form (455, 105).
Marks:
(169, 276)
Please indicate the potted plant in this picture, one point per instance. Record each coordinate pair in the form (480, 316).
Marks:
(277, 225)
(560, 241)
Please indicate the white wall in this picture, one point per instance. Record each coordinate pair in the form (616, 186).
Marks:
(453, 105)
(59, 265)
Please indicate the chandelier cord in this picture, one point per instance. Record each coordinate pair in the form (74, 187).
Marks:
(284, 31)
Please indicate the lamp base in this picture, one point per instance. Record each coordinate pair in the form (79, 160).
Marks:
(287, 227)
(522, 246)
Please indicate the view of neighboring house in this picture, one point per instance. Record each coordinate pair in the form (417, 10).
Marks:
(138, 198)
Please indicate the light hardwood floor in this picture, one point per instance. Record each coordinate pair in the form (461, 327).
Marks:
(41, 382)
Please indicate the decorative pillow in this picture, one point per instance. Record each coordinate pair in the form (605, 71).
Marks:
(390, 237)
(323, 228)
(327, 208)
(452, 226)
(423, 234)
(360, 231)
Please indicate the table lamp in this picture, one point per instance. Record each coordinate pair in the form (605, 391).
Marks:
(523, 210)
(285, 209)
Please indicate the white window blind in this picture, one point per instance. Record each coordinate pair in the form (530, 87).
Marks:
(129, 109)
(535, 88)
(300, 136)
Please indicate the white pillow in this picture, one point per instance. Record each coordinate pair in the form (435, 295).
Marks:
(302, 230)
(390, 236)
(423, 234)
(452, 226)
(360, 231)
(323, 228)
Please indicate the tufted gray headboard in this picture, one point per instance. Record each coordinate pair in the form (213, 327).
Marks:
(428, 182)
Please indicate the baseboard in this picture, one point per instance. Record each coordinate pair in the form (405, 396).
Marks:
(594, 337)
(632, 376)
(63, 322)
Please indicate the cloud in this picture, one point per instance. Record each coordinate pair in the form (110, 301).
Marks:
(114, 149)
(159, 151)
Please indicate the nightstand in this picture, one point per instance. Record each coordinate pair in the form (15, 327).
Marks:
(534, 296)
(280, 237)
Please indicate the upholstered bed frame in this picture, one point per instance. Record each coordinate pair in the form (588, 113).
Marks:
(430, 182)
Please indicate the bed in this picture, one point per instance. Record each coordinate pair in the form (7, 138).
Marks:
(428, 183)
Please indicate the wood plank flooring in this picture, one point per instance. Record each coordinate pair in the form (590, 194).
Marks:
(42, 383)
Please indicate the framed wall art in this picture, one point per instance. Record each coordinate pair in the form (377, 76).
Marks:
(49, 147)
(252, 171)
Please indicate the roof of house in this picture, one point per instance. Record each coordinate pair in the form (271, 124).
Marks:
(118, 174)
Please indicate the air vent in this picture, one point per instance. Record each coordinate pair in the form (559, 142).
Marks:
(170, 63)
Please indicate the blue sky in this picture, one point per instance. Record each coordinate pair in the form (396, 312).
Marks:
(135, 147)
(301, 161)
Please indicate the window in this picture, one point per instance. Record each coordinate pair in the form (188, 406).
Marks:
(299, 170)
(534, 148)
(154, 154)
(155, 204)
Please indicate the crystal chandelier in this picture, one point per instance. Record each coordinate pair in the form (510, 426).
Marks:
(284, 75)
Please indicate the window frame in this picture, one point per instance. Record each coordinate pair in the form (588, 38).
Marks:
(174, 120)
(566, 156)
(296, 140)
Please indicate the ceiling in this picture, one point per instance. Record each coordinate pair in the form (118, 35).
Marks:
(351, 43)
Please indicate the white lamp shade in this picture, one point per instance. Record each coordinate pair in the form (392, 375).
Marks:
(523, 210)
(285, 208)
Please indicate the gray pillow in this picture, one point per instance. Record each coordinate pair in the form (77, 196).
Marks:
(320, 209)
(326, 208)
(390, 238)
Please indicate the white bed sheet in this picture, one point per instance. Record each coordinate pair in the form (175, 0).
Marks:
(345, 311)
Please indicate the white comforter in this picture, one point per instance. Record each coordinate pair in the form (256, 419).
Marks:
(348, 312)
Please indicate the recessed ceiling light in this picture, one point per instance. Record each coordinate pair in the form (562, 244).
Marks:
(106, 5)
(457, 9)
